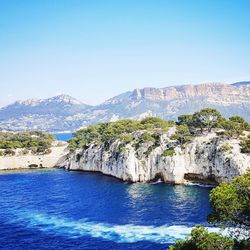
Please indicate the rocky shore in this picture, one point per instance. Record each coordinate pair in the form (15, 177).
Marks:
(31, 161)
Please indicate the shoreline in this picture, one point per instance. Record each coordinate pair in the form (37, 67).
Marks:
(23, 170)
(151, 182)
(30, 161)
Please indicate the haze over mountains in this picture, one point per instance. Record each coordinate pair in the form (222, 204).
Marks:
(65, 113)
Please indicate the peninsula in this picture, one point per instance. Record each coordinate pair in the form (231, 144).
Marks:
(203, 147)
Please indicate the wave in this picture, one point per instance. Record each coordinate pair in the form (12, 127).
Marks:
(187, 183)
(127, 233)
(159, 181)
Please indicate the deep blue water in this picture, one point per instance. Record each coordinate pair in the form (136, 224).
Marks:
(63, 136)
(55, 209)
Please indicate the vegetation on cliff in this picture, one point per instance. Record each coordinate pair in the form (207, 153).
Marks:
(123, 130)
(245, 145)
(149, 130)
(207, 118)
(35, 142)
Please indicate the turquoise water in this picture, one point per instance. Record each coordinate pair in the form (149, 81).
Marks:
(55, 209)
(63, 136)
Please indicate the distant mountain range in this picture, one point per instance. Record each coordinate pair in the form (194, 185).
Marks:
(65, 113)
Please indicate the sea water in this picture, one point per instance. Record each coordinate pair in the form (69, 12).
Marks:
(56, 209)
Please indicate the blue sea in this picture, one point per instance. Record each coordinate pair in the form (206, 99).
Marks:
(56, 209)
(63, 136)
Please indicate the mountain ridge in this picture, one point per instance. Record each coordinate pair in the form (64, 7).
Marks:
(63, 112)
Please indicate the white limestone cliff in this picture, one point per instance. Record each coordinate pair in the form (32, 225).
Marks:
(202, 160)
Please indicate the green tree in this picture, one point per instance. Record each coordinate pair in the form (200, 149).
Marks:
(154, 122)
(230, 205)
(201, 239)
(240, 120)
(182, 134)
(185, 120)
(234, 126)
(206, 119)
(26, 140)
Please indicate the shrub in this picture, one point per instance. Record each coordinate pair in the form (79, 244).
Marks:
(245, 145)
(9, 152)
(122, 148)
(232, 128)
(146, 137)
(154, 122)
(182, 135)
(126, 138)
(226, 147)
(202, 240)
(24, 151)
(168, 152)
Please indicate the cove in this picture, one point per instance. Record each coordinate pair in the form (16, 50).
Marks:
(55, 209)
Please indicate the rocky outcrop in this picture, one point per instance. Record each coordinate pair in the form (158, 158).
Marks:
(34, 161)
(202, 160)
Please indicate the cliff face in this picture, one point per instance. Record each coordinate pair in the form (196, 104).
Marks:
(212, 92)
(202, 160)
(33, 161)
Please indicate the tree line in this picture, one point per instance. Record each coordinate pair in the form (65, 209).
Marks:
(35, 142)
(187, 126)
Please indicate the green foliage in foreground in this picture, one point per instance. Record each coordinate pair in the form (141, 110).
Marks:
(37, 142)
(230, 204)
(201, 239)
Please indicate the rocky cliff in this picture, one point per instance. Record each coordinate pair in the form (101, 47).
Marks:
(205, 159)
(213, 92)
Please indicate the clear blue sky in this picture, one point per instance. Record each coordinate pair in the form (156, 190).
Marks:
(94, 50)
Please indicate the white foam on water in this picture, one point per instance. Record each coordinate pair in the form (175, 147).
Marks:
(159, 181)
(188, 183)
(127, 233)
